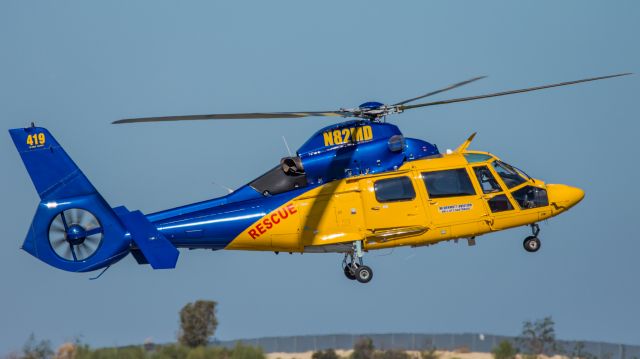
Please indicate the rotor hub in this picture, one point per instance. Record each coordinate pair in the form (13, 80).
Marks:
(76, 234)
(371, 105)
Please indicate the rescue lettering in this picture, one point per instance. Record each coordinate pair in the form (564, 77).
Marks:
(347, 135)
(272, 220)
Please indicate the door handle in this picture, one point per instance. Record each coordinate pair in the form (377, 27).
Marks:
(376, 208)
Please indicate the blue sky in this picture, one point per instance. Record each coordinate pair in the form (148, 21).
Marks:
(75, 66)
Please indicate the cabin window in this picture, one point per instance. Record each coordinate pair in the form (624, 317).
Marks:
(509, 175)
(448, 183)
(394, 189)
(500, 203)
(486, 180)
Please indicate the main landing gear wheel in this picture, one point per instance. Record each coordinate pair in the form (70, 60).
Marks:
(364, 274)
(532, 243)
(350, 271)
(353, 267)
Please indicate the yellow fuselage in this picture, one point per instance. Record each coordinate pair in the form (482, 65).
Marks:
(468, 197)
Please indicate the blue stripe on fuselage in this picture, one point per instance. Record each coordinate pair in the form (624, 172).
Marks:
(215, 223)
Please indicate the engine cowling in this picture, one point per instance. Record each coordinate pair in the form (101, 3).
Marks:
(357, 147)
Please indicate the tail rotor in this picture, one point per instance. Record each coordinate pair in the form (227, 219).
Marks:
(75, 234)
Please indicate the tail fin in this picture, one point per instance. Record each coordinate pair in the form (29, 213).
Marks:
(52, 171)
(74, 228)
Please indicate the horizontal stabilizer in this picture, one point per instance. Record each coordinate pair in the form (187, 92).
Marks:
(155, 248)
(139, 257)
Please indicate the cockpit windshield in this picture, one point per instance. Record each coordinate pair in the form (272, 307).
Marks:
(511, 176)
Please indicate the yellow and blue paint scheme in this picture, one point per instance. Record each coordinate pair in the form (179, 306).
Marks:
(347, 210)
(357, 181)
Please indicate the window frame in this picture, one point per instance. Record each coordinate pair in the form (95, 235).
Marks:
(501, 186)
(504, 190)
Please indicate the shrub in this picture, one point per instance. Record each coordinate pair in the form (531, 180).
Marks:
(241, 351)
(325, 354)
(504, 350)
(363, 349)
(430, 354)
(174, 351)
(392, 354)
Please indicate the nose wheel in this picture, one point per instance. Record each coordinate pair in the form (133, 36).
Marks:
(353, 266)
(532, 243)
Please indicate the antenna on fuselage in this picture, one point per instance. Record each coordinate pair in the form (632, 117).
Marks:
(463, 147)
(287, 146)
(229, 190)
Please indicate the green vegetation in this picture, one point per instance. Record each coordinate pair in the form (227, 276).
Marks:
(34, 349)
(325, 354)
(174, 351)
(430, 354)
(391, 354)
(504, 350)
(364, 349)
(198, 322)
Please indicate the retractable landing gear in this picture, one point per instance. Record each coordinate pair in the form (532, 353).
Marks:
(532, 243)
(354, 267)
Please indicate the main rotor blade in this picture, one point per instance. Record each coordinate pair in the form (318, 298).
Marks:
(462, 99)
(236, 116)
(441, 90)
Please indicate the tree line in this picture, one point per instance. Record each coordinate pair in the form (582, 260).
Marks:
(198, 322)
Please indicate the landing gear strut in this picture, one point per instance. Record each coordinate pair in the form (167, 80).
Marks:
(532, 243)
(354, 267)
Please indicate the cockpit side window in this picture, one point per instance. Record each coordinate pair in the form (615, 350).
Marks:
(486, 180)
(498, 202)
(531, 197)
(509, 175)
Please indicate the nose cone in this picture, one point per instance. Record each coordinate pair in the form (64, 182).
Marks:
(564, 197)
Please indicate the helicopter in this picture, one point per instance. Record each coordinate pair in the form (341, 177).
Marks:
(353, 187)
